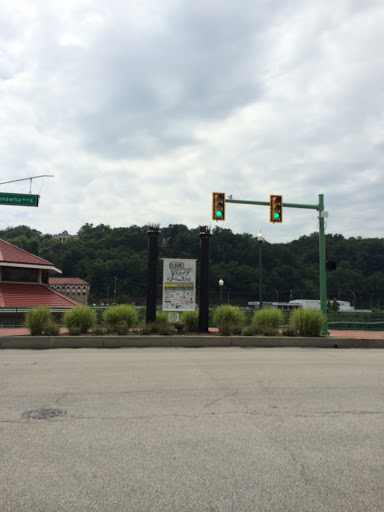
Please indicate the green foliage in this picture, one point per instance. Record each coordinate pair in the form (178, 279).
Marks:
(51, 329)
(122, 328)
(229, 319)
(289, 331)
(163, 326)
(251, 330)
(100, 253)
(82, 317)
(122, 313)
(190, 320)
(268, 320)
(333, 305)
(74, 330)
(162, 318)
(38, 319)
(98, 331)
(307, 322)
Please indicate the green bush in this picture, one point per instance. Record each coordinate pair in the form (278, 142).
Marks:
(98, 331)
(121, 313)
(229, 319)
(190, 320)
(38, 319)
(162, 318)
(74, 330)
(268, 320)
(251, 330)
(307, 322)
(122, 328)
(289, 331)
(82, 317)
(51, 329)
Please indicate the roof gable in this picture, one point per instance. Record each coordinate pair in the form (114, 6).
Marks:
(10, 254)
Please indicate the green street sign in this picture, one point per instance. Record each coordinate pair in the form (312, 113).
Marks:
(19, 199)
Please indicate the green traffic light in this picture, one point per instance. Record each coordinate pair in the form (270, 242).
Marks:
(277, 215)
(219, 213)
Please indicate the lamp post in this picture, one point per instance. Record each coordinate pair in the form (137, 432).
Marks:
(260, 239)
(114, 291)
(221, 284)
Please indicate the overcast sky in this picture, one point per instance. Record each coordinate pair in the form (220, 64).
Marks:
(142, 108)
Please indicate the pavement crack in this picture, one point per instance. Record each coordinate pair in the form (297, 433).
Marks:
(220, 399)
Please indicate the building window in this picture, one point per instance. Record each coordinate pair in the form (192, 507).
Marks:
(45, 276)
(21, 275)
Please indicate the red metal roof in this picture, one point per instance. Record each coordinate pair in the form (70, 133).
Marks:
(11, 254)
(67, 280)
(14, 295)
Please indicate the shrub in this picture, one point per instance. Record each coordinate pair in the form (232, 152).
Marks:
(121, 313)
(190, 320)
(289, 331)
(251, 330)
(51, 329)
(37, 319)
(162, 318)
(74, 330)
(98, 331)
(82, 317)
(268, 320)
(162, 324)
(122, 328)
(307, 322)
(229, 319)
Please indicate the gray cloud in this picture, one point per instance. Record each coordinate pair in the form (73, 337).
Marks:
(143, 110)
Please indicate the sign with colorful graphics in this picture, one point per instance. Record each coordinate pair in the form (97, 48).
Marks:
(179, 284)
(19, 199)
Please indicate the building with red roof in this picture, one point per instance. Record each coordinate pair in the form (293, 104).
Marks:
(24, 281)
(71, 286)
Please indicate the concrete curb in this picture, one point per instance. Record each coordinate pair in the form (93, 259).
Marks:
(52, 342)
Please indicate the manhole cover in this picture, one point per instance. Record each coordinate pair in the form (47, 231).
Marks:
(46, 413)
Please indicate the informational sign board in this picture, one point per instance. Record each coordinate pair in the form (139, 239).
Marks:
(179, 284)
(19, 199)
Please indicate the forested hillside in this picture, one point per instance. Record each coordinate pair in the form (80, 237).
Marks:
(291, 270)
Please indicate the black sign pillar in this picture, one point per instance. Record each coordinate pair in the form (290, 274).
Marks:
(205, 235)
(153, 236)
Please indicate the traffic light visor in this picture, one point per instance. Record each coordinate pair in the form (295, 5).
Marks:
(218, 206)
(276, 209)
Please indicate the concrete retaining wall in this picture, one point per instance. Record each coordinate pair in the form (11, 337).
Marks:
(49, 342)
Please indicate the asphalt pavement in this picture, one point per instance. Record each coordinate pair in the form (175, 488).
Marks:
(199, 430)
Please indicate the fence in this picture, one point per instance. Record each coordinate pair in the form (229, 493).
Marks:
(356, 321)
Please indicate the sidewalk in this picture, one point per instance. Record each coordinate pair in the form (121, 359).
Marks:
(369, 335)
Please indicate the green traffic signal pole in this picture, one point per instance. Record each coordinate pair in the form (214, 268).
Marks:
(323, 282)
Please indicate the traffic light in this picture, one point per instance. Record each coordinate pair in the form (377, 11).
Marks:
(276, 209)
(218, 206)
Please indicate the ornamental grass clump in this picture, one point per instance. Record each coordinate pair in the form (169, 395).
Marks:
(229, 319)
(307, 322)
(114, 315)
(38, 319)
(268, 320)
(80, 319)
(190, 320)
